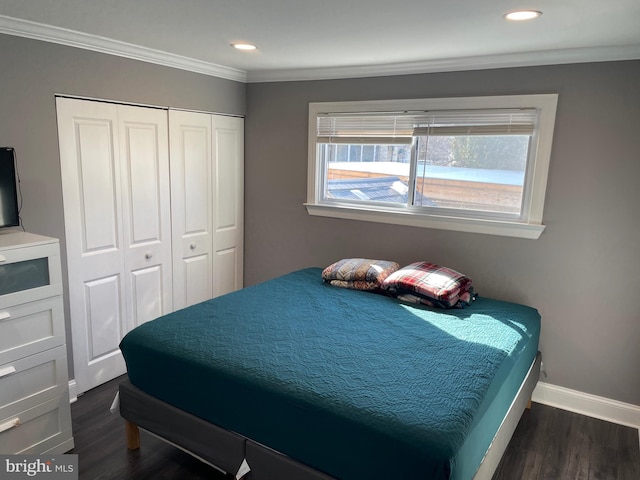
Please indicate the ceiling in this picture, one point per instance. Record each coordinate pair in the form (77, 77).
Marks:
(300, 40)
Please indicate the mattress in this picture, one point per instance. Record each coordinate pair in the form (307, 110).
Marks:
(351, 383)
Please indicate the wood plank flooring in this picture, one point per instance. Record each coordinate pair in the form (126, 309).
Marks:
(548, 444)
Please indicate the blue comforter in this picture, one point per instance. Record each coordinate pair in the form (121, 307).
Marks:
(354, 384)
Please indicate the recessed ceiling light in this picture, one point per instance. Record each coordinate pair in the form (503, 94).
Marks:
(520, 15)
(243, 46)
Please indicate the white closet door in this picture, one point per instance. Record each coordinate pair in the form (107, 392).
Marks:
(88, 141)
(114, 180)
(191, 206)
(228, 204)
(144, 166)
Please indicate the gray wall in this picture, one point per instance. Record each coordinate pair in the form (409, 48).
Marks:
(582, 274)
(32, 72)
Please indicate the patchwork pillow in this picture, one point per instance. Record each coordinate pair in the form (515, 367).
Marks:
(429, 284)
(359, 273)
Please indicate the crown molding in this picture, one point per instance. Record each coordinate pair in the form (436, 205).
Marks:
(72, 38)
(483, 62)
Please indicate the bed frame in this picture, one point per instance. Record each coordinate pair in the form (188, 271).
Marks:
(231, 453)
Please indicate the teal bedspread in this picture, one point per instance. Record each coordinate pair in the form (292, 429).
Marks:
(352, 383)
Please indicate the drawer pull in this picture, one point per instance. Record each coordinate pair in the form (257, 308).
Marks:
(4, 315)
(14, 422)
(7, 371)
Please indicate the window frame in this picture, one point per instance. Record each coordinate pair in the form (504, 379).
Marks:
(529, 225)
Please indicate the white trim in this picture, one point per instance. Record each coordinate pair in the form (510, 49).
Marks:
(73, 391)
(72, 38)
(586, 404)
(471, 225)
(482, 62)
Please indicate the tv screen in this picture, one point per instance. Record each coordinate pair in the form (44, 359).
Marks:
(8, 191)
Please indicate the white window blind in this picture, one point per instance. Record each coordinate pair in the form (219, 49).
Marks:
(486, 122)
(356, 128)
(389, 128)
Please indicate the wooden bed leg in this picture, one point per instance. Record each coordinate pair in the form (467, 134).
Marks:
(529, 405)
(133, 435)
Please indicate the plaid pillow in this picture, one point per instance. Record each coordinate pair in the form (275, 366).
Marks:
(359, 273)
(429, 284)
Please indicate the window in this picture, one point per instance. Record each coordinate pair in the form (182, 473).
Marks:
(468, 164)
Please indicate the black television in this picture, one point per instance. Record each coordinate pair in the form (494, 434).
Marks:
(9, 215)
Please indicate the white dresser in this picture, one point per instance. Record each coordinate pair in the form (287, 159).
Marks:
(35, 415)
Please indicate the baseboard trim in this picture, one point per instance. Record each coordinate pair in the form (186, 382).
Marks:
(73, 391)
(586, 404)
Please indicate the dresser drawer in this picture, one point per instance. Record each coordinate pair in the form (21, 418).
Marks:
(30, 328)
(33, 380)
(29, 273)
(46, 427)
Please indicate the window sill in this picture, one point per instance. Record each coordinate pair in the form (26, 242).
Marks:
(470, 225)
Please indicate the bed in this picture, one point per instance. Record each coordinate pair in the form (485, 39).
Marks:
(296, 379)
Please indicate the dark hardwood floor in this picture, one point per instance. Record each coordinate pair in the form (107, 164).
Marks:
(549, 444)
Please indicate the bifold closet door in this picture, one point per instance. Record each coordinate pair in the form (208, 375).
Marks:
(191, 206)
(115, 180)
(207, 195)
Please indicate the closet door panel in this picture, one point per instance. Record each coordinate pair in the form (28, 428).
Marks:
(104, 317)
(191, 206)
(197, 274)
(147, 292)
(227, 182)
(89, 146)
(98, 189)
(228, 147)
(144, 161)
(196, 187)
(228, 262)
(145, 184)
